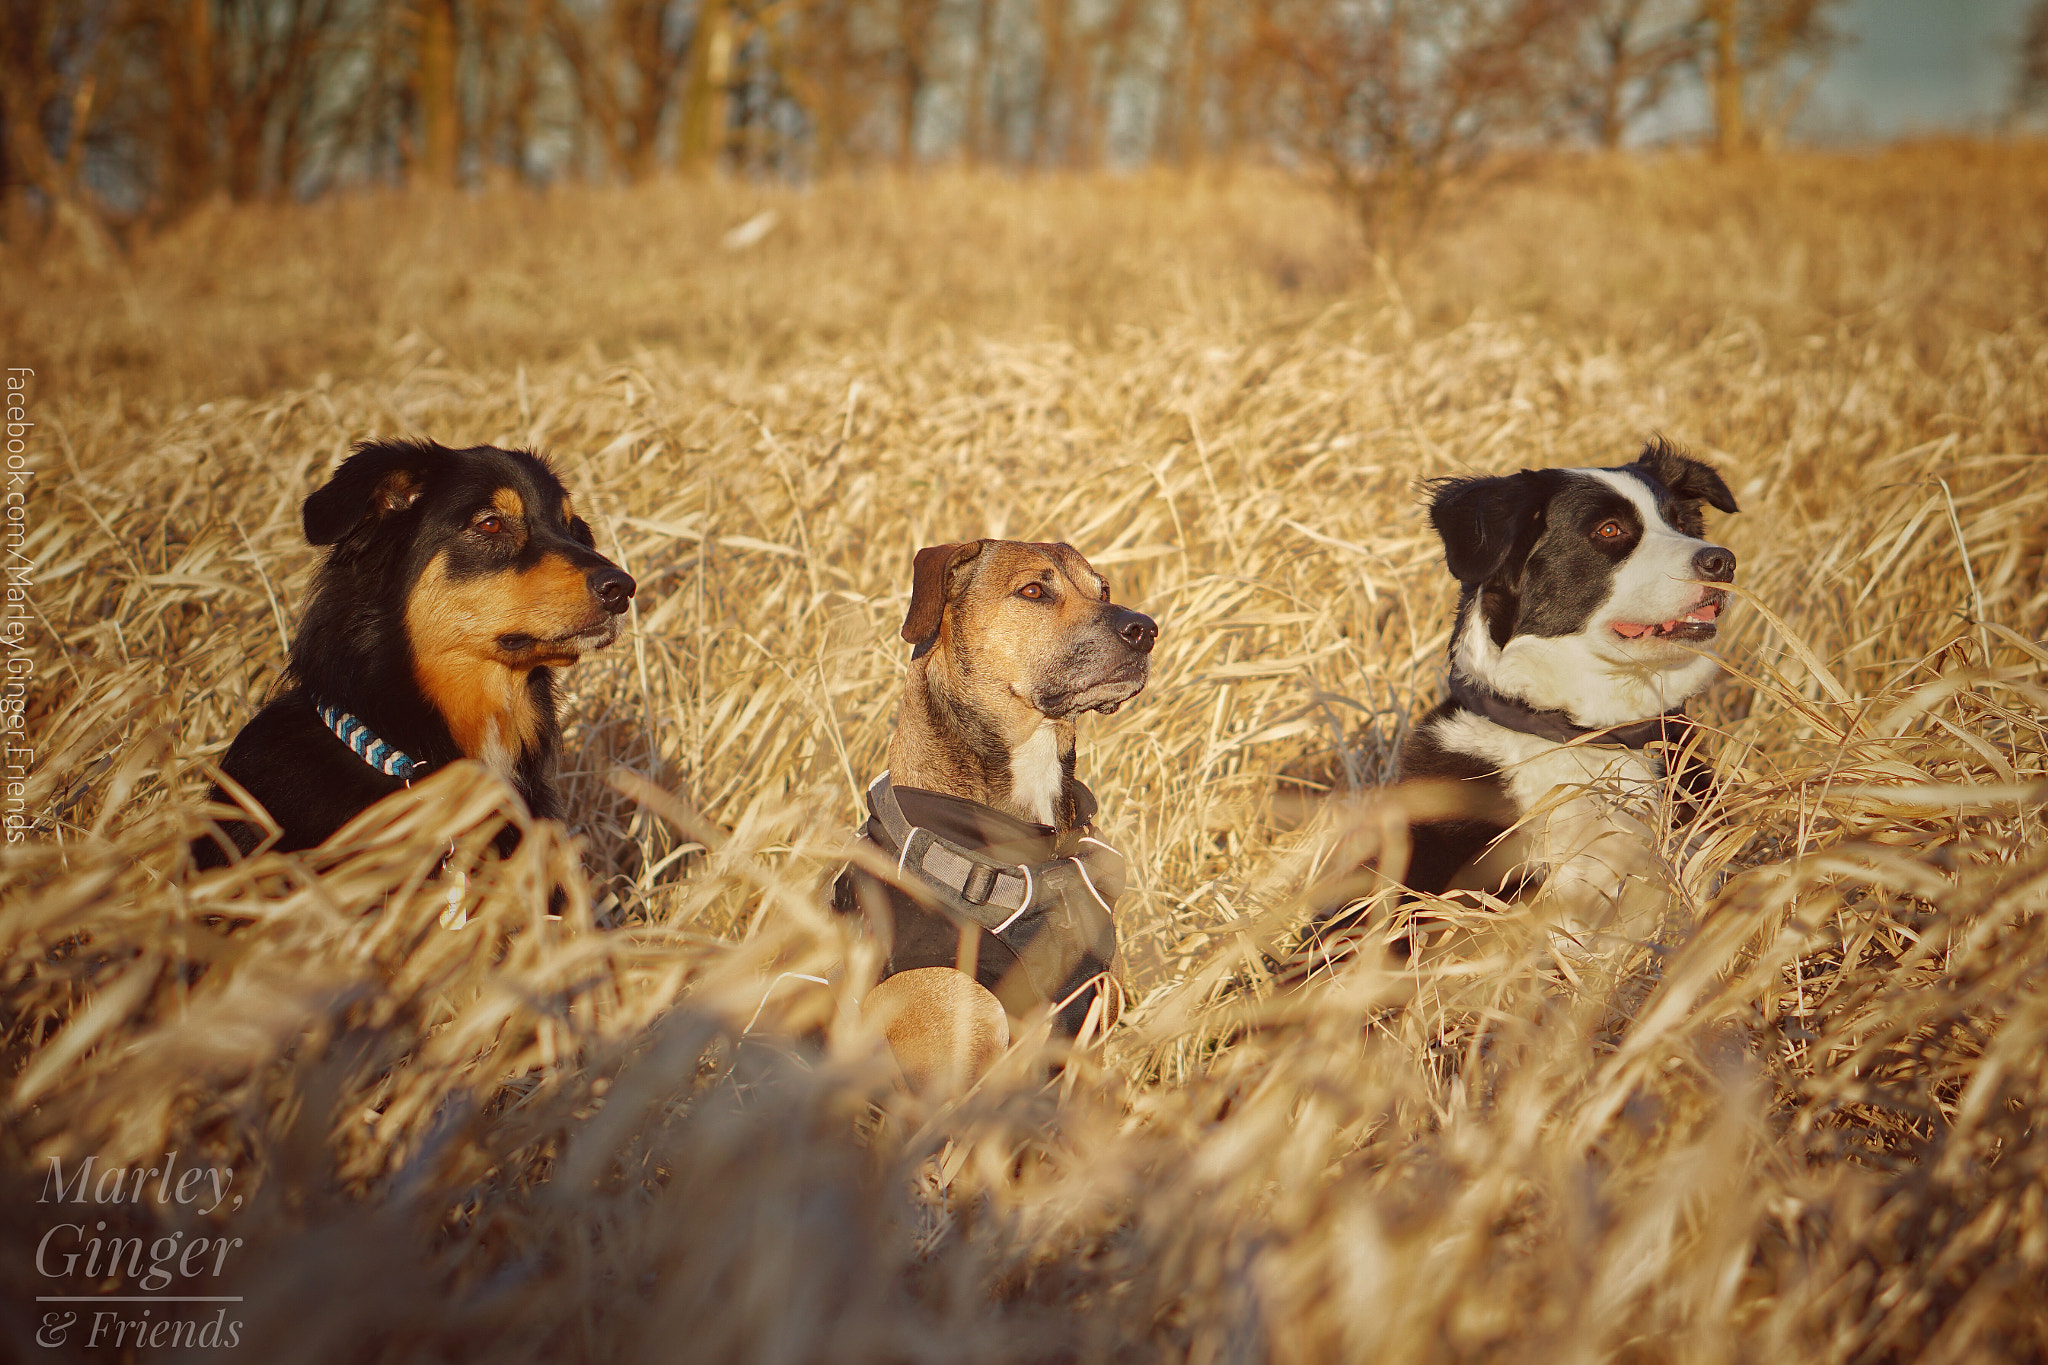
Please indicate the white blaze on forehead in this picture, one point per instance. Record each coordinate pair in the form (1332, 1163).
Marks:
(1637, 492)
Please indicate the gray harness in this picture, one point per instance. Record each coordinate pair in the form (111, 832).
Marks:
(1055, 916)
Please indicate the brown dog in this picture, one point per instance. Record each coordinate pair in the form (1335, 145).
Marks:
(1003, 881)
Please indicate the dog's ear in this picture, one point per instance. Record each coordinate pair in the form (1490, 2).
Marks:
(1480, 521)
(379, 478)
(1692, 480)
(930, 574)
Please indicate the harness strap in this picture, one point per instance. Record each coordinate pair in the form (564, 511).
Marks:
(988, 887)
(992, 894)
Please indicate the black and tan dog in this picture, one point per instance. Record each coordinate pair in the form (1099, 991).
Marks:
(459, 580)
(1006, 897)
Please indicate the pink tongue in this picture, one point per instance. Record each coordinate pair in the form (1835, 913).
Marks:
(1706, 611)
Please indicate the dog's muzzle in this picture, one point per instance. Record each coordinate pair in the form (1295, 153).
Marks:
(1139, 633)
(1114, 658)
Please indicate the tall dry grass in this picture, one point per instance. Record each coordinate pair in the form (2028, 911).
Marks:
(1800, 1125)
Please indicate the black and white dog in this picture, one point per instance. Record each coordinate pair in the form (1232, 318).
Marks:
(1586, 598)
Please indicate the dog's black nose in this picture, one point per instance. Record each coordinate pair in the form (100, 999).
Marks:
(614, 588)
(1135, 629)
(1714, 564)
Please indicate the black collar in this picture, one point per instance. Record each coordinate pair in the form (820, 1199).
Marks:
(1558, 726)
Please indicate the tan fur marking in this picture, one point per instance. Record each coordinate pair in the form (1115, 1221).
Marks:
(554, 598)
(487, 706)
(480, 688)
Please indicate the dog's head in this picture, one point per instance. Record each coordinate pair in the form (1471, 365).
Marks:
(1032, 622)
(479, 549)
(1590, 590)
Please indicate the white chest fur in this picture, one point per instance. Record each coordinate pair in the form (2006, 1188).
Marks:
(496, 752)
(1035, 775)
(1588, 818)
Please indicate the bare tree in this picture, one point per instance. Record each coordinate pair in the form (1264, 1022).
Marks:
(1627, 54)
(2030, 68)
(1045, 104)
(1396, 100)
(1766, 57)
(975, 133)
(439, 103)
(237, 95)
(194, 98)
(51, 61)
(1095, 73)
(1247, 77)
(819, 68)
(1193, 91)
(916, 33)
(628, 64)
(708, 61)
(509, 63)
(265, 66)
(182, 31)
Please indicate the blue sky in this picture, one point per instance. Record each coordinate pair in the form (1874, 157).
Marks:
(1918, 66)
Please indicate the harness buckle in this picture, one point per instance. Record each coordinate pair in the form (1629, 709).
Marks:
(981, 881)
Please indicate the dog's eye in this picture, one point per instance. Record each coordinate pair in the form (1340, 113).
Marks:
(490, 523)
(1034, 591)
(1611, 530)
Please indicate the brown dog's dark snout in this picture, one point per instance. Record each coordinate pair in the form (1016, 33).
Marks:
(1714, 564)
(1135, 629)
(612, 586)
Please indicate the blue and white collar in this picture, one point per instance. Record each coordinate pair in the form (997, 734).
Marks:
(372, 750)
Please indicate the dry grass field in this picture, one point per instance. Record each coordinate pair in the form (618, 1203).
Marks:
(1804, 1124)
